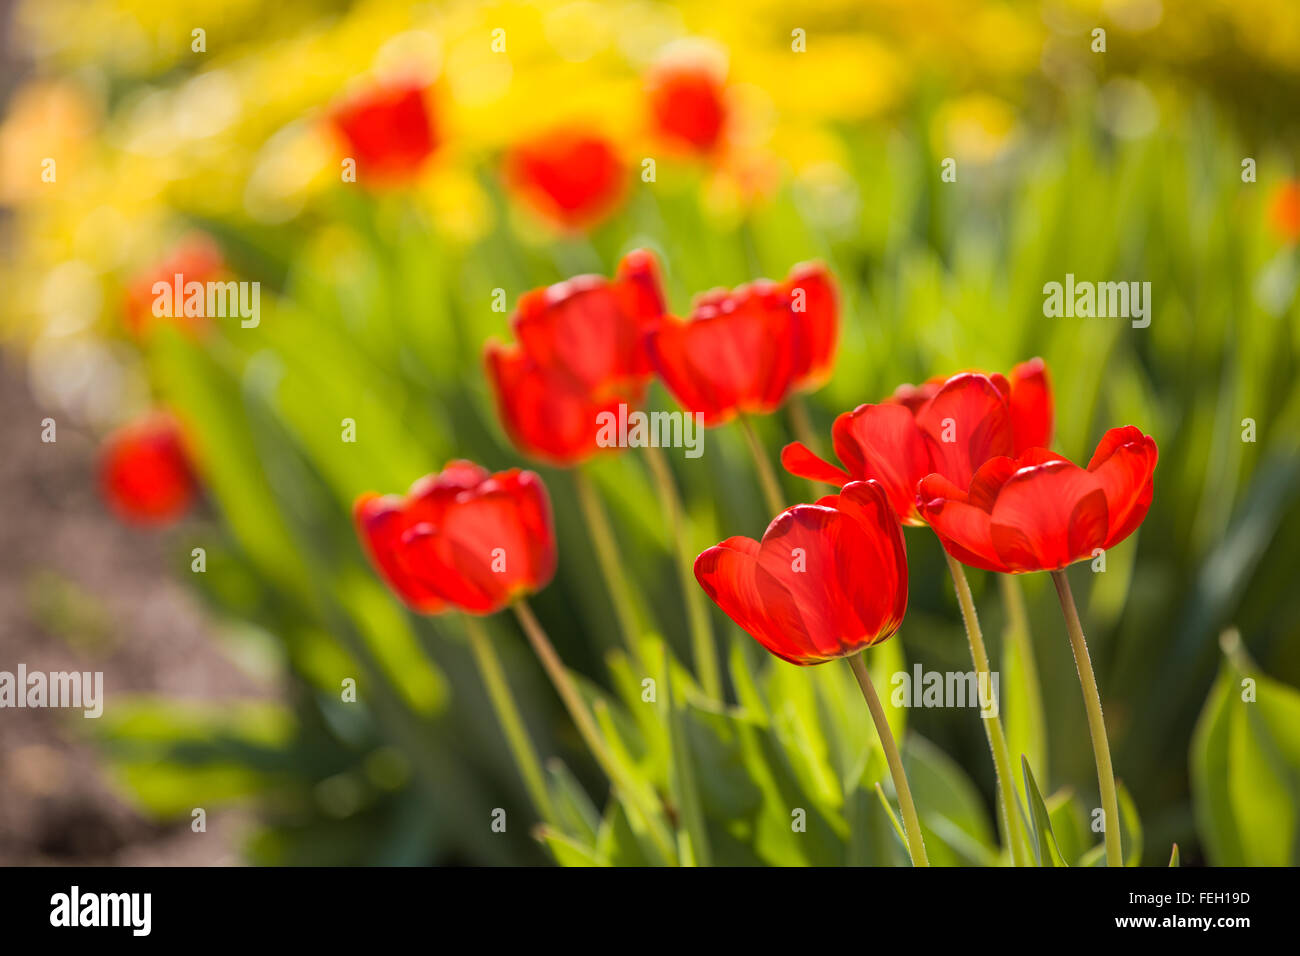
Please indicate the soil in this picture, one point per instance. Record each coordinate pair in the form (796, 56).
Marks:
(80, 591)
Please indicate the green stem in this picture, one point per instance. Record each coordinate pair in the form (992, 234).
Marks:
(587, 729)
(609, 559)
(697, 614)
(512, 725)
(1013, 599)
(801, 421)
(911, 822)
(766, 476)
(1096, 723)
(992, 724)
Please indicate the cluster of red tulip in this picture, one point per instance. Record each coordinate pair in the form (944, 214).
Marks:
(965, 455)
(571, 175)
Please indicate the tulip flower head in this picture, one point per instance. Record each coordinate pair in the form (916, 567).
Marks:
(1284, 211)
(461, 538)
(571, 177)
(687, 104)
(145, 475)
(1041, 512)
(389, 130)
(196, 258)
(742, 351)
(580, 353)
(949, 427)
(826, 580)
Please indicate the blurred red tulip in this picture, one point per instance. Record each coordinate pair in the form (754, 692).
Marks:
(197, 258)
(144, 472)
(571, 177)
(815, 305)
(1030, 398)
(742, 351)
(687, 105)
(963, 424)
(592, 327)
(1040, 512)
(1285, 210)
(463, 538)
(389, 130)
(826, 581)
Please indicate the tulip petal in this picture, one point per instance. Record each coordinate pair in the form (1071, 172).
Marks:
(1031, 405)
(965, 530)
(1047, 516)
(1125, 472)
(798, 459)
(884, 443)
(968, 422)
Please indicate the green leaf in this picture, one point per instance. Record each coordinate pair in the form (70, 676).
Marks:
(1130, 830)
(954, 821)
(1246, 767)
(567, 850)
(1046, 852)
(1215, 821)
(1069, 824)
(573, 808)
(1173, 857)
(1022, 697)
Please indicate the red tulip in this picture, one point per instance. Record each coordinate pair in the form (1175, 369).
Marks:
(1285, 210)
(462, 538)
(815, 305)
(144, 472)
(595, 328)
(963, 424)
(687, 105)
(571, 177)
(741, 352)
(581, 352)
(388, 130)
(548, 414)
(1040, 512)
(1030, 398)
(826, 581)
(197, 258)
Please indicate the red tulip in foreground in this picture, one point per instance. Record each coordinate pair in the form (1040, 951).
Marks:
(946, 427)
(827, 580)
(580, 352)
(144, 473)
(388, 130)
(949, 428)
(463, 537)
(687, 104)
(1041, 512)
(570, 177)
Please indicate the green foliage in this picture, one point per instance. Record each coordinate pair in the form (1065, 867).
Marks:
(378, 320)
(1246, 766)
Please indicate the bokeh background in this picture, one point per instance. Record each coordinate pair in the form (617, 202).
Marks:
(223, 686)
